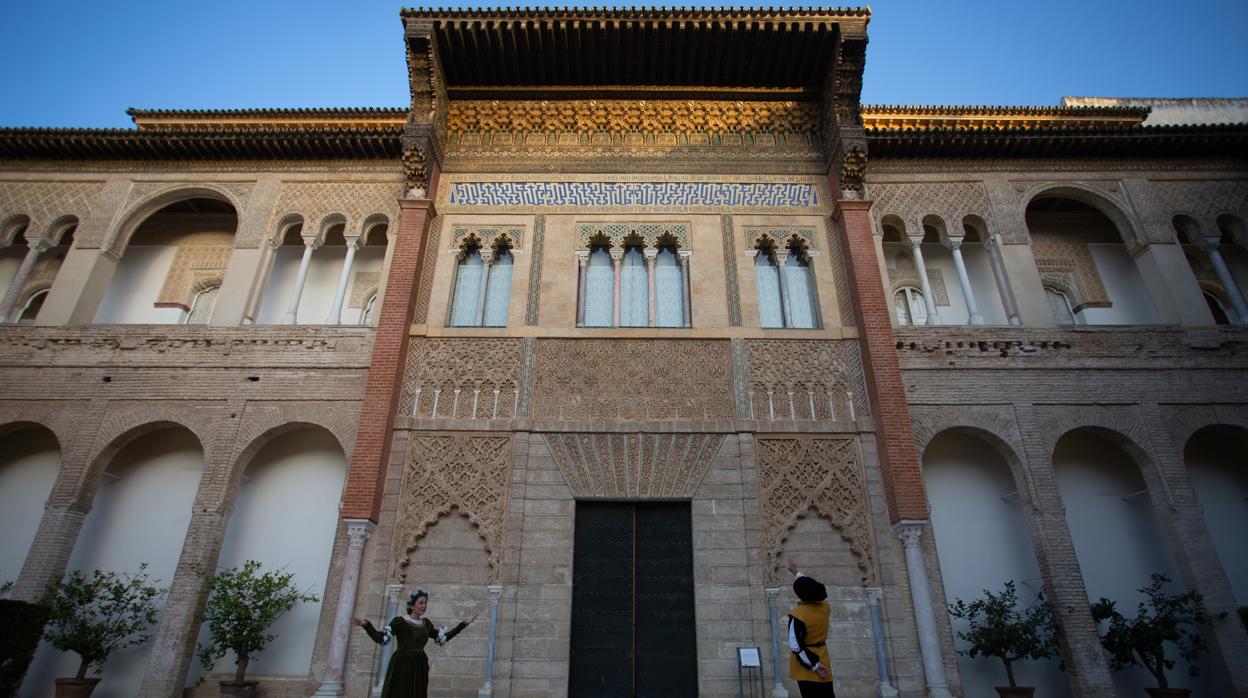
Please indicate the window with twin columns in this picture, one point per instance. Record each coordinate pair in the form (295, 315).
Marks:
(633, 275)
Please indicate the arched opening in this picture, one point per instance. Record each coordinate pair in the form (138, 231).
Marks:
(669, 285)
(202, 305)
(1215, 465)
(767, 281)
(26, 302)
(634, 284)
(283, 269)
(910, 306)
(451, 563)
(1079, 248)
(285, 515)
(1117, 537)
(1206, 256)
(175, 252)
(30, 309)
(1060, 307)
(981, 534)
(30, 459)
(469, 274)
(139, 514)
(824, 554)
(365, 275)
(910, 292)
(597, 305)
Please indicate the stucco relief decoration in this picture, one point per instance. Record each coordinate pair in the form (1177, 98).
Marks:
(45, 202)
(632, 122)
(902, 272)
(487, 236)
(469, 378)
(576, 196)
(1203, 200)
(1068, 266)
(836, 256)
(364, 285)
(780, 237)
(199, 263)
(796, 474)
(633, 465)
(357, 201)
(650, 235)
(951, 201)
(632, 379)
(415, 171)
(805, 380)
(854, 171)
(40, 279)
(448, 473)
(420, 314)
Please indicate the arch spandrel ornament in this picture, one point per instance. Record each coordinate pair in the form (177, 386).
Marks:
(630, 466)
(651, 235)
(446, 473)
(487, 236)
(781, 237)
(799, 473)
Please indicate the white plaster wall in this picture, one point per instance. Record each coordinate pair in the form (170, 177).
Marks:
(982, 542)
(318, 289)
(10, 259)
(29, 462)
(140, 514)
(1117, 538)
(285, 516)
(1215, 466)
(984, 284)
(367, 259)
(1236, 259)
(135, 286)
(1132, 304)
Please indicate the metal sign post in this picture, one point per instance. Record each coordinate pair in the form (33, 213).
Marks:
(749, 666)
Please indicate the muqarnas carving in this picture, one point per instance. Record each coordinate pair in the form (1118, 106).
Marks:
(797, 474)
(806, 380)
(633, 465)
(632, 379)
(462, 378)
(444, 473)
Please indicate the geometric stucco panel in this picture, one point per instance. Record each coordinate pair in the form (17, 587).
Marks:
(951, 201)
(633, 465)
(45, 202)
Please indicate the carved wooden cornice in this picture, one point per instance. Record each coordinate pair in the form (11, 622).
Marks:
(267, 119)
(915, 118)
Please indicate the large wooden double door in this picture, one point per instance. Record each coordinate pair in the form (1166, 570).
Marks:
(632, 601)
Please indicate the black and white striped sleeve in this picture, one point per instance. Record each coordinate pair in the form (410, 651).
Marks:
(797, 645)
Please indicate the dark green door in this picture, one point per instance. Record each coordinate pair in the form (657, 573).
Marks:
(632, 601)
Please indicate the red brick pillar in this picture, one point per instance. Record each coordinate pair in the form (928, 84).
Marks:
(366, 476)
(899, 461)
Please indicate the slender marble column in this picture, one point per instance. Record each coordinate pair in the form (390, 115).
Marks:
(924, 614)
(487, 690)
(335, 311)
(874, 594)
(393, 592)
(993, 245)
(358, 531)
(781, 259)
(582, 262)
(292, 311)
(921, 269)
(617, 265)
(684, 286)
(652, 257)
(9, 303)
(777, 690)
(955, 246)
(487, 257)
(1210, 246)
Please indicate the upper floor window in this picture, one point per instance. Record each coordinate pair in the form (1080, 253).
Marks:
(33, 305)
(202, 306)
(482, 284)
(911, 308)
(633, 276)
(786, 285)
(1220, 316)
(1060, 307)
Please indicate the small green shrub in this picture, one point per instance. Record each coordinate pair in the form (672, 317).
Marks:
(998, 628)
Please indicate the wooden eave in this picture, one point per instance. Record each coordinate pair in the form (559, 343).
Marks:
(257, 144)
(267, 119)
(659, 48)
(914, 118)
(1214, 141)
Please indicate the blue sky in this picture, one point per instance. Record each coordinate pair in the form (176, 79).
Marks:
(84, 63)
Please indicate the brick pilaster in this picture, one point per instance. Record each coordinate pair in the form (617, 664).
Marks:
(366, 476)
(899, 460)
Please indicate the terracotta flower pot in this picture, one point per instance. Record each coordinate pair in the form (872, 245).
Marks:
(1015, 691)
(1169, 692)
(238, 689)
(75, 688)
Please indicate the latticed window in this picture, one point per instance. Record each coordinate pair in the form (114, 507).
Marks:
(482, 286)
(202, 306)
(31, 310)
(1059, 306)
(911, 308)
(635, 282)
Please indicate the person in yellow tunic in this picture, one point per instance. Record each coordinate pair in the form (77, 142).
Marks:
(808, 637)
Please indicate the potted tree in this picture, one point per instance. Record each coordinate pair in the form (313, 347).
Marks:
(1161, 619)
(93, 616)
(242, 603)
(24, 626)
(998, 628)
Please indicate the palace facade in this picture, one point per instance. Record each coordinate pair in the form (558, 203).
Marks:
(625, 309)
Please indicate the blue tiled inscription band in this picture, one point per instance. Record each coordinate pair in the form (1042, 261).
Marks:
(658, 194)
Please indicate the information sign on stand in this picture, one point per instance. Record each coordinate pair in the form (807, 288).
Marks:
(750, 667)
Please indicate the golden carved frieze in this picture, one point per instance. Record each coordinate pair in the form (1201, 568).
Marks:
(622, 122)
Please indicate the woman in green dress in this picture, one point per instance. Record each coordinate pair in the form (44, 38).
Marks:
(408, 675)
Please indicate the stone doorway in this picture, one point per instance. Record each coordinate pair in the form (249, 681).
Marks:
(632, 601)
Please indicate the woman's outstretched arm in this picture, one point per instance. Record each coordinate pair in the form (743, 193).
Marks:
(444, 636)
(381, 637)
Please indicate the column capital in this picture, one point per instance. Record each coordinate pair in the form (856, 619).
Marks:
(496, 591)
(394, 592)
(684, 254)
(650, 252)
(312, 242)
(487, 256)
(874, 595)
(358, 531)
(914, 242)
(773, 593)
(40, 245)
(616, 256)
(954, 243)
(909, 531)
(1207, 244)
(356, 241)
